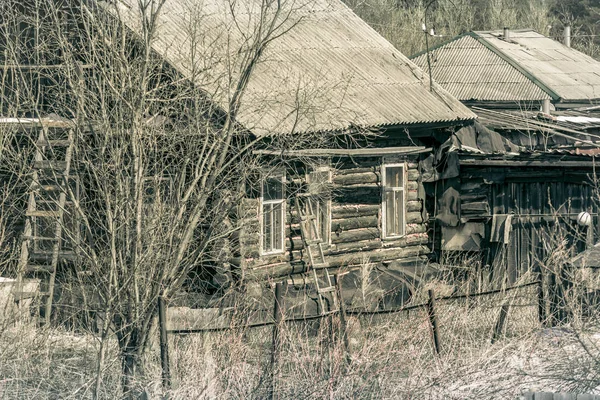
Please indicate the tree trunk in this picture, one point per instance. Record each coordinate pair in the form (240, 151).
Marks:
(131, 350)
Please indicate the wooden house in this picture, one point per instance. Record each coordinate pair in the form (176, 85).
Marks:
(537, 98)
(366, 199)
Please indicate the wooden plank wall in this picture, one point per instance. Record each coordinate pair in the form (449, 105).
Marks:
(534, 196)
(355, 224)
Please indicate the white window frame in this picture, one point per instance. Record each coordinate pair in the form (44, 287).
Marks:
(263, 202)
(384, 190)
(326, 240)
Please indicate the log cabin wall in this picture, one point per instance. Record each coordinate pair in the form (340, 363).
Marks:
(544, 204)
(355, 222)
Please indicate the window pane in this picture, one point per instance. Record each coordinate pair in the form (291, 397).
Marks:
(278, 226)
(267, 231)
(399, 212)
(394, 177)
(390, 212)
(318, 182)
(324, 220)
(272, 189)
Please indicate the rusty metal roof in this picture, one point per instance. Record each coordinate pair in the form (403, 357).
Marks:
(328, 71)
(470, 71)
(483, 66)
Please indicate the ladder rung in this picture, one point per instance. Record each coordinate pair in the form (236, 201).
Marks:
(327, 290)
(53, 239)
(47, 164)
(43, 213)
(39, 268)
(320, 265)
(54, 143)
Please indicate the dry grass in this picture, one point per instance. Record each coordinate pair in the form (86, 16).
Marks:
(391, 357)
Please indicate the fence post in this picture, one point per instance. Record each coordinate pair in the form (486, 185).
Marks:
(433, 320)
(541, 302)
(501, 322)
(342, 314)
(553, 298)
(277, 317)
(164, 343)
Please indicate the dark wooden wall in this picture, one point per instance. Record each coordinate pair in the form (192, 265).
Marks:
(544, 203)
(355, 224)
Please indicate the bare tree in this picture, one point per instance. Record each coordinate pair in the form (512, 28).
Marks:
(160, 160)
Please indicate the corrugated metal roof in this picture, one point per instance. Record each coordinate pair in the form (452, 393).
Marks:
(470, 71)
(571, 74)
(330, 71)
(529, 66)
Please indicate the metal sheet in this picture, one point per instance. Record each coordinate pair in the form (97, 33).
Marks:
(328, 71)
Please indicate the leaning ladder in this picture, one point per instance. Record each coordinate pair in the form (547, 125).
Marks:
(313, 243)
(49, 186)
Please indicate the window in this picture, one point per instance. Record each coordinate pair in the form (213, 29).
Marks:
(273, 214)
(319, 182)
(393, 207)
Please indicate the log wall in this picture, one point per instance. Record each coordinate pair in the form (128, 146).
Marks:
(355, 224)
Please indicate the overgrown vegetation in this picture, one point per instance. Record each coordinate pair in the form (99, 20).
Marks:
(400, 21)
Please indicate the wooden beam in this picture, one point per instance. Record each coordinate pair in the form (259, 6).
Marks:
(532, 163)
(364, 152)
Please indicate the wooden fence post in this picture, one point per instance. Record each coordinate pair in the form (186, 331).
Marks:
(277, 317)
(501, 322)
(433, 320)
(164, 343)
(553, 299)
(342, 314)
(541, 301)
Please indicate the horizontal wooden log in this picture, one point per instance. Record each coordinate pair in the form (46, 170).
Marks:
(358, 195)
(405, 241)
(413, 205)
(347, 261)
(357, 179)
(357, 170)
(355, 210)
(414, 218)
(355, 235)
(377, 255)
(412, 195)
(354, 223)
(413, 174)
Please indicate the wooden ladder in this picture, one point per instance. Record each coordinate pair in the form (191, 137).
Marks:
(41, 253)
(313, 243)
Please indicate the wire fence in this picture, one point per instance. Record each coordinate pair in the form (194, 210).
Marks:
(334, 341)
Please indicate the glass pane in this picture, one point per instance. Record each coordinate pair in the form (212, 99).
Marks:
(324, 221)
(267, 231)
(390, 211)
(317, 182)
(394, 177)
(399, 212)
(277, 227)
(273, 188)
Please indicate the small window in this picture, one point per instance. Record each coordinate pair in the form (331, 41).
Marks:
(393, 202)
(319, 187)
(273, 214)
